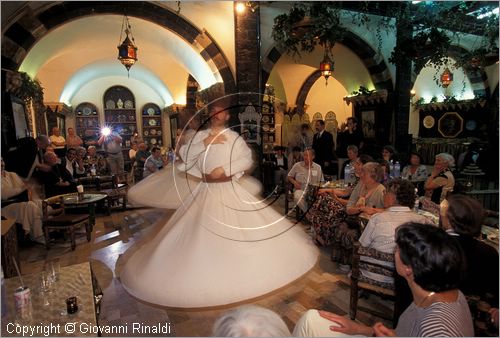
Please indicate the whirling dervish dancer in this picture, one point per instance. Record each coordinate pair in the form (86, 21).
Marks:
(223, 245)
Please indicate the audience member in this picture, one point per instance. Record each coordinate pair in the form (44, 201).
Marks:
(140, 158)
(96, 160)
(114, 154)
(461, 217)
(302, 175)
(432, 263)
(58, 142)
(389, 154)
(366, 199)
(250, 321)
(294, 157)
(379, 233)
(280, 167)
(416, 172)
(154, 162)
(349, 134)
(441, 181)
(73, 163)
(329, 211)
(57, 180)
(352, 155)
(27, 158)
(323, 146)
(73, 140)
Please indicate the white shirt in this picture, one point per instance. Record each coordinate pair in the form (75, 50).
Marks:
(305, 175)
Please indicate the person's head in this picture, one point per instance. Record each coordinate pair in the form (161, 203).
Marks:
(278, 150)
(142, 146)
(134, 146)
(219, 111)
(304, 128)
(296, 151)
(444, 161)
(71, 132)
(352, 152)
(42, 141)
(56, 131)
(91, 151)
(50, 148)
(308, 156)
(250, 321)
(388, 152)
(156, 152)
(463, 214)
(81, 152)
(319, 125)
(399, 192)
(415, 159)
(372, 172)
(352, 123)
(358, 163)
(428, 256)
(71, 154)
(50, 158)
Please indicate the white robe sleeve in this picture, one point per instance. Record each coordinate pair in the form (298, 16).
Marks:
(241, 159)
(190, 153)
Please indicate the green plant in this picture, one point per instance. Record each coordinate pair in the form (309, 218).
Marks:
(30, 91)
(362, 91)
(434, 99)
(450, 99)
(419, 102)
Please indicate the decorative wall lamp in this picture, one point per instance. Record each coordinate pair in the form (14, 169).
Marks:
(127, 51)
(446, 78)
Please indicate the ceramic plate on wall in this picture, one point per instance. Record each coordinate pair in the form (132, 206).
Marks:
(146, 133)
(265, 118)
(428, 122)
(470, 125)
(87, 111)
(153, 141)
(128, 104)
(151, 111)
(152, 122)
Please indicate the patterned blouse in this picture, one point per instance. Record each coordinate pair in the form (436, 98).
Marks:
(420, 175)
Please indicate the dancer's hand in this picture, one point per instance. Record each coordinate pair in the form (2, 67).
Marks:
(214, 139)
(346, 325)
(382, 331)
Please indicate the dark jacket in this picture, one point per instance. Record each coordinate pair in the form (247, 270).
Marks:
(323, 147)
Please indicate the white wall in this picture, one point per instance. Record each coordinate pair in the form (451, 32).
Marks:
(324, 98)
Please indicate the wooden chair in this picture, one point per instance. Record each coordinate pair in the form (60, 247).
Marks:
(62, 221)
(289, 201)
(118, 191)
(359, 282)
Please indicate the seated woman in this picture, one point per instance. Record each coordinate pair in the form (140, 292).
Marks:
(329, 208)
(366, 199)
(416, 172)
(432, 263)
(441, 181)
(461, 217)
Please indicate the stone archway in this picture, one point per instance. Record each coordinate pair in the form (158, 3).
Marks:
(30, 27)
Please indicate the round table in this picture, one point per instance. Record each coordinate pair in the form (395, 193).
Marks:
(89, 199)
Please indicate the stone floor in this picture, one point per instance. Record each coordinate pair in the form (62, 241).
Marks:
(113, 235)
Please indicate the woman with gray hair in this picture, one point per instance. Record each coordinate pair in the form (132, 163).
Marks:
(366, 199)
(250, 321)
(441, 181)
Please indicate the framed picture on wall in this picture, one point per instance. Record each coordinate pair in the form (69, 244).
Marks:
(20, 118)
(450, 125)
(368, 123)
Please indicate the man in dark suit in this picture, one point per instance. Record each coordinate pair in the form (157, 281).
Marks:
(323, 147)
(57, 180)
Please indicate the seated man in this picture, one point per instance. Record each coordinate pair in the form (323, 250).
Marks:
(304, 175)
(57, 180)
(140, 158)
(95, 160)
(154, 162)
(73, 163)
(379, 233)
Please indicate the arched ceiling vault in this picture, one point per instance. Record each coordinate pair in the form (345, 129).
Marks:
(84, 49)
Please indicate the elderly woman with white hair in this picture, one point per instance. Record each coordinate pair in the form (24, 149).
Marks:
(441, 181)
(250, 321)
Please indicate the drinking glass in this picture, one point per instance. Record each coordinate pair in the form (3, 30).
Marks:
(55, 269)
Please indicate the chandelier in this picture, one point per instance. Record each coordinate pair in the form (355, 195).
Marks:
(446, 78)
(327, 65)
(127, 51)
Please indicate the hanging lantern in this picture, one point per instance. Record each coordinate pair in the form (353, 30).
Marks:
(327, 65)
(127, 51)
(446, 78)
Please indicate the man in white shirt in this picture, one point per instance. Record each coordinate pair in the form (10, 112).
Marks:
(58, 142)
(74, 166)
(380, 231)
(303, 174)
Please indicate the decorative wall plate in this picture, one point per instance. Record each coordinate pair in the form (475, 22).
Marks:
(128, 104)
(158, 133)
(110, 104)
(152, 122)
(151, 111)
(265, 127)
(428, 122)
(265, 118)
(87, 111)
(153, 141)
(146, 133)
(470, 125)
(153, 131)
